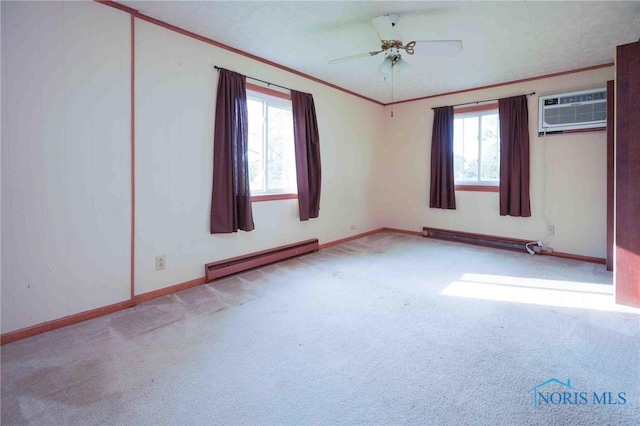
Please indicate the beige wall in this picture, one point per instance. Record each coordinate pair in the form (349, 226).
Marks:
(568, 174)
(66, 163)
(65, 160)
(175, 99)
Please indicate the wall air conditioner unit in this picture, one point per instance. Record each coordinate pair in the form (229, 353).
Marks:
(586, 109)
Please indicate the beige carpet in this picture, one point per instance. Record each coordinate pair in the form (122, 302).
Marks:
(388, 329)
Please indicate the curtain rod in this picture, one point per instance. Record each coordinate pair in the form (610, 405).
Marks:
(486, 100)
(256, 79)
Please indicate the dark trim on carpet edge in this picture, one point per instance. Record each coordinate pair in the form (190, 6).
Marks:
(165, 291)
(598, 260)
(402, 231)
(351, 238)
(33, 330)
(23, 333)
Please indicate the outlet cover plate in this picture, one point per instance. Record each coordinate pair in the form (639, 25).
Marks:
(161, 262)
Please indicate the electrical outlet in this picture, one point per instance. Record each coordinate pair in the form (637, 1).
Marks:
(551, 230)
(161, 262)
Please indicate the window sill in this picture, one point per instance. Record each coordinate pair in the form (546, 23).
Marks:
(272, 197)
(478, 188)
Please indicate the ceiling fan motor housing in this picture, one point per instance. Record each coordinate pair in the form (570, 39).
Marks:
(391, 44)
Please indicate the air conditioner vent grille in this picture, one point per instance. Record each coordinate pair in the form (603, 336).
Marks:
(571, 114)
(573, 111)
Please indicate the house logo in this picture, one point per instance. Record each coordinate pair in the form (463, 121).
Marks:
(544, 397)
(554, 392)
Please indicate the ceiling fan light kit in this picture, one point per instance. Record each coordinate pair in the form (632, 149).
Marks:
(402, 66)
(386, 66)
(391, 44)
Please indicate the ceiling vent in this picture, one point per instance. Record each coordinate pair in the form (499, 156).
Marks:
(586, 109)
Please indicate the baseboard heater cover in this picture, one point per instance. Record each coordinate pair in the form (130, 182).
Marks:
(234, 265)
(476, 239)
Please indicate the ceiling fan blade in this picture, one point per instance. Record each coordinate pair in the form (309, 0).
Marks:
(359, 55)
(436, 47)
(384, 26)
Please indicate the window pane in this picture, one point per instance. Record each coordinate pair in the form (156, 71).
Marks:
(256, 145)
(490, 164)
(470, 149)
(280, 158)
(476, 147)
(271, 155)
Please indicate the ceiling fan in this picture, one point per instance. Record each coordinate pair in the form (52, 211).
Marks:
(391, 45)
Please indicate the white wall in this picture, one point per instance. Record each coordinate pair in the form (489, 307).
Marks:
(175, 107)
(568, 174)
(65, 160)
(66, 163)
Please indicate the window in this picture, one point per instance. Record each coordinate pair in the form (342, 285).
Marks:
(271, 157)
(476, 148)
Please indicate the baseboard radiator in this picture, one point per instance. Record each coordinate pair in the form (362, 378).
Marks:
(476, 239)
(223, 268)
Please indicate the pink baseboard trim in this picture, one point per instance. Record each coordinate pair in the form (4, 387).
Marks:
(580, 257)
(351, 238)
(119, 6)
(179, 30)
(132, 272)
(207, 40)
(365, 234)
(508, 83)
(403, 231)
(145, 297)
(63, 322)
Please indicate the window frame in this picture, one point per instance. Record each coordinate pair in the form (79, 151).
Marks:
(271, 196)
(481, 186)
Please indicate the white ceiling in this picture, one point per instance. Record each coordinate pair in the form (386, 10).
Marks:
(503, 41)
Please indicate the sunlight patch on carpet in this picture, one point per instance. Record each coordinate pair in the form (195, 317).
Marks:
(568, 294)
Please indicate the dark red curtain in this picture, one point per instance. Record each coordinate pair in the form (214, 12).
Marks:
(307, 148)
(442, 194)
(231, 197)
(514, 157)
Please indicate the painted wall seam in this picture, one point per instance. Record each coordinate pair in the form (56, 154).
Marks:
(133, 156)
